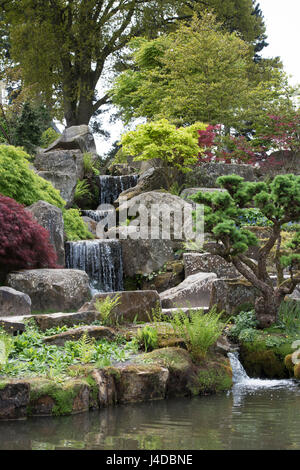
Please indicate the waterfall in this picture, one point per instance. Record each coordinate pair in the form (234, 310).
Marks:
(97, 215)
(112, 186)
(101, 260)
(242, 381)
(238, 371)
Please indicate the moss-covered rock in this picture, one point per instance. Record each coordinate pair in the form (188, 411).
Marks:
(187, 378)
(50, 398)
(266, 356)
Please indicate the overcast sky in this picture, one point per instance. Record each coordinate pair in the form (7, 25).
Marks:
(283, 29)
(282, 19)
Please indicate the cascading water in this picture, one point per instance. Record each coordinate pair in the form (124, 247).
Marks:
(97, 215)
(241, 379)
(112, 186)
(101, 260)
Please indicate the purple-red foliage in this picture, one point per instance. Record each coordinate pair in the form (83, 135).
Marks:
(24, 244)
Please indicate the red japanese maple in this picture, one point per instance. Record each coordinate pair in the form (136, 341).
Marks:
(24, 244)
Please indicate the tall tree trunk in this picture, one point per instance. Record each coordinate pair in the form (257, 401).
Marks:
(267, 307)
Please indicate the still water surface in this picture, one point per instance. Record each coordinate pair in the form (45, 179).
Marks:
(248, 417)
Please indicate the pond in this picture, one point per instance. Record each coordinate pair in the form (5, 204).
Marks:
(252, 416)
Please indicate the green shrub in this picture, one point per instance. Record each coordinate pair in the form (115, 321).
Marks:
(82, 190)
(243, 321)
(199, 330)
(75, 228)
(289, 316)
(148, 337)
(20, 183)
(248, 334)
(105, 308)
(48, 137)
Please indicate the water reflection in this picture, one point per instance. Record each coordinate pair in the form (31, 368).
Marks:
(260, 419)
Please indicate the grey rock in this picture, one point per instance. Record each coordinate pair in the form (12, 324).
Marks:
(169, 214)
(63, 168)
(51, 218)
(14, 399)
(75, 137)
(205, 174)
(233, 296)
(13, 302)
(52, 289)
(97, 332)
(208, 263)
(132, 305)
(194, 291)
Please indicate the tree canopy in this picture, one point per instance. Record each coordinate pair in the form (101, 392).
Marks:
(199, 73)
(63, 47)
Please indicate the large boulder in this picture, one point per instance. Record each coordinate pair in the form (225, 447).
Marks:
(145, 256)
(133, 305)
(131, 383)
(139, 383)
(208, 263)
(52, 289)
(14, 303)
(63, 168)
(160, 215)
(194, 291)
(233, 296)
(205, 174)
(51, 218)
(75, 137)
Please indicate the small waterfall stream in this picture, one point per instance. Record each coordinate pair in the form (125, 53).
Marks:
(242, 380)
(112, 186)
(101, 260)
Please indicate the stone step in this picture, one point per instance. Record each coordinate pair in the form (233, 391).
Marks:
(171, 311)
(16, 324)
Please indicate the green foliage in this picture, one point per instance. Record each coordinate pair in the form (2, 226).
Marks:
(213, 380)
(6, 346)
(30, 356)
(199, 330)
(82, 190)
(48, 137)
(148, 338)
(244, 321)
(176, 147)
(289, 316)
(20, 183)
(192, 74)
(75, 228)
(105, 308)
(248, 335)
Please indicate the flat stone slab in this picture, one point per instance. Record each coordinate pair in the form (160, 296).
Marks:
(17, 323)
(133, 305)
(194, 291)
(14, 302)
(97, 332)
(64, 319)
